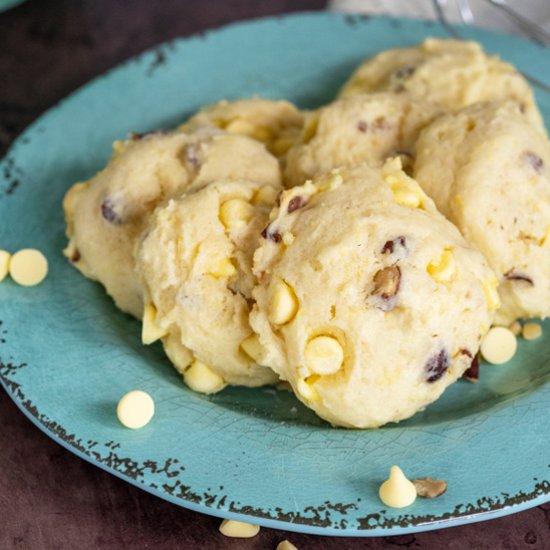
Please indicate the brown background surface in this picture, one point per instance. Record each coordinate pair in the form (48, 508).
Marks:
(49, 498)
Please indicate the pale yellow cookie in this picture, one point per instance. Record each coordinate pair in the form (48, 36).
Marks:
(276, 123)
(107, 215)
(378, 303)
(452, 73)
(196, 266)
(367, 127)
(488, 171)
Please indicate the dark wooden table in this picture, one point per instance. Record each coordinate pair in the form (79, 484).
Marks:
(49, 498)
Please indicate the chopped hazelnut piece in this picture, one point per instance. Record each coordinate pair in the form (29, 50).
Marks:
(386, 286)
(426, 487)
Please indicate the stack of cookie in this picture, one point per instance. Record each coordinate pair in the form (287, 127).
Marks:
(357, 251)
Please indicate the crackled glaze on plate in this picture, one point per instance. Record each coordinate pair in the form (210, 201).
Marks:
(67, 355)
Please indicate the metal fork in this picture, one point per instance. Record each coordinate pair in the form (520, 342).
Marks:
(530, 28)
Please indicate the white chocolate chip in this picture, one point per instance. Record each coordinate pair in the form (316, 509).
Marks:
(222, 268)
(236, 213)
(201, 378)
(150, 331)
(286, 545)
(397, 491)
(288, 238)
(238, 529)
(135, 409)
(283, 305)
(443, 270)
(491, 294)
(305, 388)
(4, 264)
(28, 267)
(252, 347)
(515, 328)
(324, 355)
(265, 195)
(531, 331)
(498, 346)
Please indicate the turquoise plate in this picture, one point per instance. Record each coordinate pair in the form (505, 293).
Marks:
(67, 354)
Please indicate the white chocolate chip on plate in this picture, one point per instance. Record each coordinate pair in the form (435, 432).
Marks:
(397, 491)
(135, 409)
(4, 264)
(28, 267)
(238, 529)
(531, 331)
(201, 378)
(498, 346)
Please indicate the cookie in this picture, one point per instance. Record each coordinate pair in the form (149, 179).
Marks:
(370, 303)
(452, 73)
(107, 215)
(276, 123)
(196, 266)
(488, 171)
(366, 127)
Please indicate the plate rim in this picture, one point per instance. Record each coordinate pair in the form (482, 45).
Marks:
(524, 500)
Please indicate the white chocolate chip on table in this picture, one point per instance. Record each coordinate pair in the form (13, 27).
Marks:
(238, 529)
(135, 409)
(4, 264)
(397, 491)
(286, 545)
(28, 267)
(499, 345)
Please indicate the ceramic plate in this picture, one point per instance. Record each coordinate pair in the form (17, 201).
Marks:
(67, 354)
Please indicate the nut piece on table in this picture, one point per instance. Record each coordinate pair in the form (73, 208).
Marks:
(427, 487)
(238, 529)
